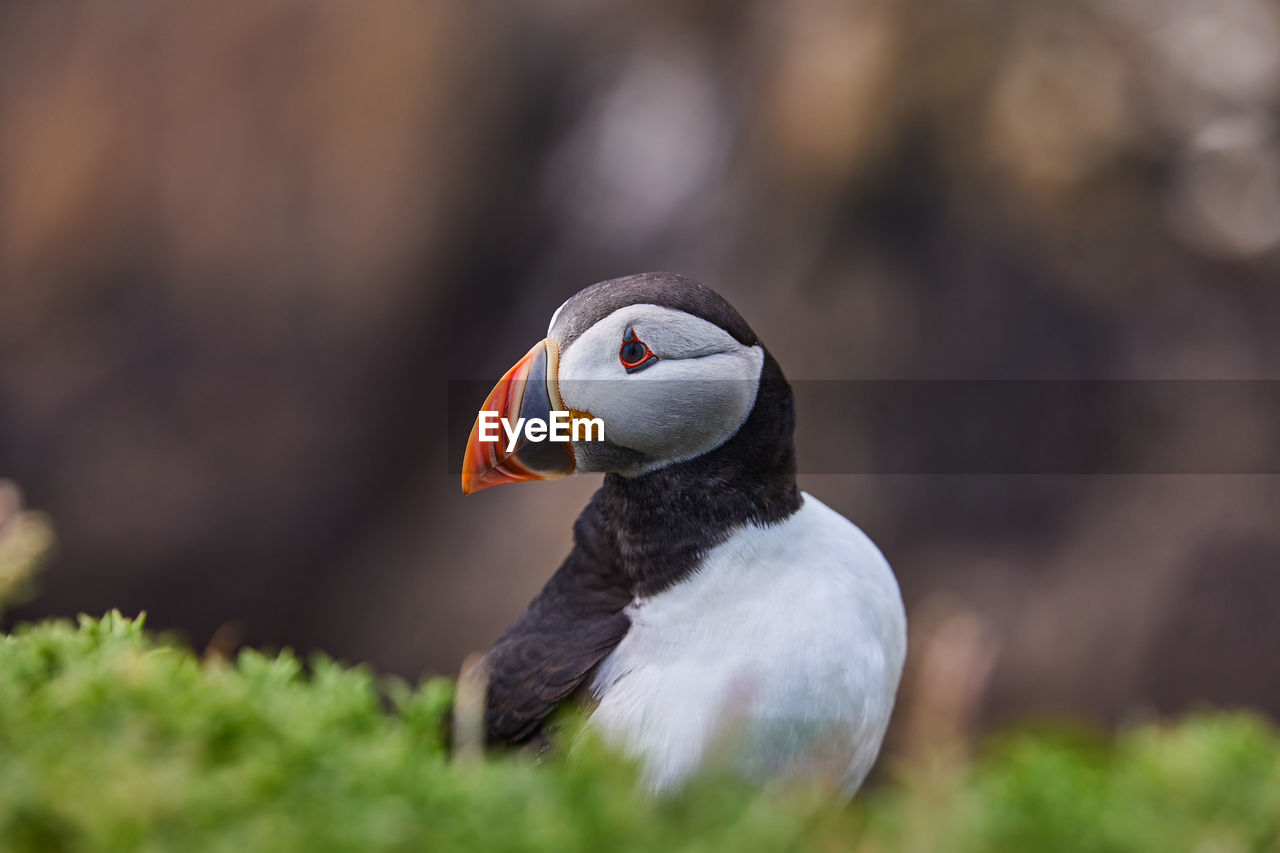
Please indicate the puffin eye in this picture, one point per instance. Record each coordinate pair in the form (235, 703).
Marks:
(635, 354)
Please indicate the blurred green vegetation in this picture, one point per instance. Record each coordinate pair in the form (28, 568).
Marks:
(114, 739)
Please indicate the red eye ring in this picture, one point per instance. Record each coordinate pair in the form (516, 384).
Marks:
(634, 353)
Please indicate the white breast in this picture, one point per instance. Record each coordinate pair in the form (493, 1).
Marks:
(782, 655)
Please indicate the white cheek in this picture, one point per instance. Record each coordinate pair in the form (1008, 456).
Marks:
(681, 411)
(673, 410)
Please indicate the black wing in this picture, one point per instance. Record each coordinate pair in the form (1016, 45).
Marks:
(572, 625)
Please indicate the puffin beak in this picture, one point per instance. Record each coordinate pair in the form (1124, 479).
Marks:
(528, 390)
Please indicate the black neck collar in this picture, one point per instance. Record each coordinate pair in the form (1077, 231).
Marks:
(659, 525)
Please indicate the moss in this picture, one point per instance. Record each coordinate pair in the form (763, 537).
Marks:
(113, 740)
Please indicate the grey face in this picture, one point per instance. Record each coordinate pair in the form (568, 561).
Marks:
(669, 386)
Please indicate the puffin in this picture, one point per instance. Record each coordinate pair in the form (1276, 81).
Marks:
(709, 612)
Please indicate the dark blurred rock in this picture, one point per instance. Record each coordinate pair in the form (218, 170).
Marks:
(1216, 644)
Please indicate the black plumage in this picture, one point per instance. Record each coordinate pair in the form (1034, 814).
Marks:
(666, 289)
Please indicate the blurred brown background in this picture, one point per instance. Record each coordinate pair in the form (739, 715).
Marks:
(244, 247)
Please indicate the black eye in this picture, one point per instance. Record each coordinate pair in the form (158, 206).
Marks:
(635, 354)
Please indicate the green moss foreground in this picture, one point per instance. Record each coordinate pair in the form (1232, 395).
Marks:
(113, 740)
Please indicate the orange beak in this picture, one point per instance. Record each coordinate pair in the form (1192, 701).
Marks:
(527, 390)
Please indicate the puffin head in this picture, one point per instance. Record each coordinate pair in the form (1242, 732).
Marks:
(666, 365)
